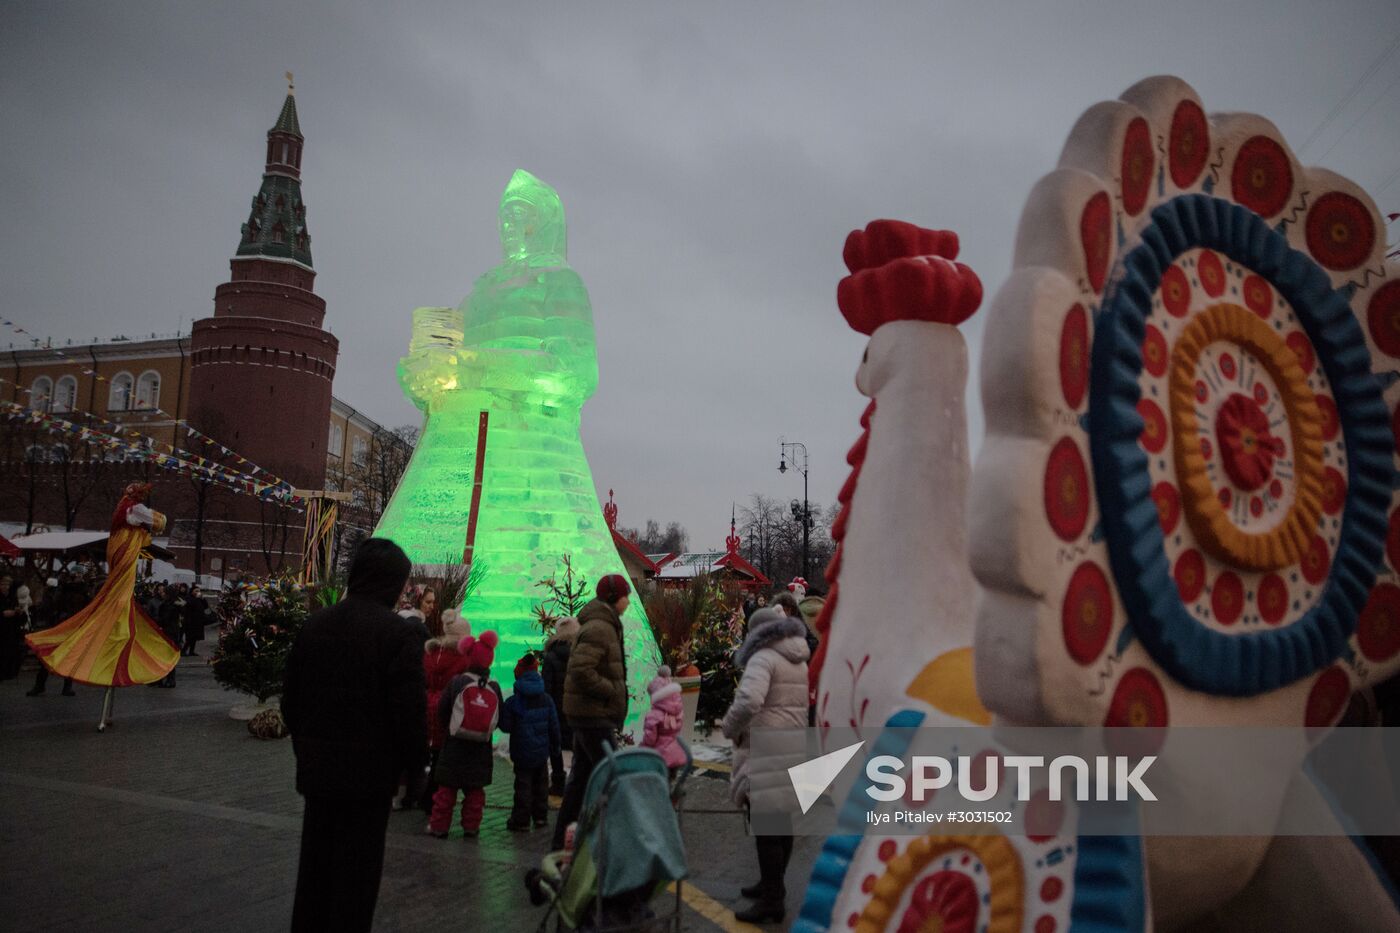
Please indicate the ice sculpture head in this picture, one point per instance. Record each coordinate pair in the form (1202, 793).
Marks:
(532, 220)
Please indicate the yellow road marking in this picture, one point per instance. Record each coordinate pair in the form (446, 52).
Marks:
(712, 910)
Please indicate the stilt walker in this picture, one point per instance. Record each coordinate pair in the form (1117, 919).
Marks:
(111, 642)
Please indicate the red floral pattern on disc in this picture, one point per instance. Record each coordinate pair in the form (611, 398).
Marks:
(1378, 629)
(1330, 425)
(1334, 491)
(1211, 273)
(1096, 236)
(1272, 599)
(1340, 231)
(1301, 346)
(1258, 296)
(1154, 426)
(1087, 614)
(946, 901)
(1137, 165)
(1262, 177)
(1190, 575)
(1044, 817)
(1140, 702)
(1316, 561)
(1227, 598)
(1383, 318)
(1327, 698)
(1176, 292)
(1168, 502)
(1188, 143)
(1392, 540)
(1074, 356)
(1051, 889)
(1154, 351)
(1247, 449)
(1044, 924)
(1066, 490)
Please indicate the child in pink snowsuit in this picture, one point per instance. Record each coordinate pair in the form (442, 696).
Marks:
(464, 764)
(664, 719)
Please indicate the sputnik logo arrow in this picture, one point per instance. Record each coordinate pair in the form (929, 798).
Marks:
(811, 778)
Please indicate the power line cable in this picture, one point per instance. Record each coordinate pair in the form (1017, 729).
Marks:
(1364, 114)
(1355, 89)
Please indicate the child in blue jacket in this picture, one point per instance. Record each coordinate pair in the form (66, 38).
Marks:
(533, 724)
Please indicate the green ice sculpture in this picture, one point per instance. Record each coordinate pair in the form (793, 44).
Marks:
(503, 379)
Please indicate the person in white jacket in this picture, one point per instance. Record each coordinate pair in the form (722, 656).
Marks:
(771, 694)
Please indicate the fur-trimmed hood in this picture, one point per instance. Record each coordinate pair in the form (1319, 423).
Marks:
(786, 635)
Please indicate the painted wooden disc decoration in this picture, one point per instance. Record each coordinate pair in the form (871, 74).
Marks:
(1188, 143)
(1088, 614)
(945, 900)
(1074, 356)
(1255, 441)
(1066, 490)
(1262, 177)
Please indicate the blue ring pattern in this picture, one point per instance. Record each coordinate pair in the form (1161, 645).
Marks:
(1197, 656)
(1109, 894)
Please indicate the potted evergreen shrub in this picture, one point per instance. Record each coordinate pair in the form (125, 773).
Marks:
(260, 624)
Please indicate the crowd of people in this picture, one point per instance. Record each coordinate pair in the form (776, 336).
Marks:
(31, 601)
(383, 704)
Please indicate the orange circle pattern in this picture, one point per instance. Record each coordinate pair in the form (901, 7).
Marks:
(998, 856)
(1286, 543)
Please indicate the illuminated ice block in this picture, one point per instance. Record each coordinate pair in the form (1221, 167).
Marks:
(517, 358)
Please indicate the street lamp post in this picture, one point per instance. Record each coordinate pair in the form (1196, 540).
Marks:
(783, 447)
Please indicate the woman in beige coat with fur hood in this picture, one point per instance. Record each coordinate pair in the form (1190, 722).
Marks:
(772, 694)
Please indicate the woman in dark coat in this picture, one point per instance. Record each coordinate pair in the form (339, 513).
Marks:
(197, 614)
(555, 666)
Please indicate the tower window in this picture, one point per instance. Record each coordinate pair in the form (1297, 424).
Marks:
(279, 233)
(284, 153)
(41, 394)
(65, 396)
(119, 397)
(281, 203)
(148, 390)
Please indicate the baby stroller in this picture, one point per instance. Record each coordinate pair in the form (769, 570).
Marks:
(627, 848)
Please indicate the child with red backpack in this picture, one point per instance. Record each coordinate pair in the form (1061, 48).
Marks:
(469, 711)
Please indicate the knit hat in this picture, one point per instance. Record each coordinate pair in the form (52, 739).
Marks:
(528, 663)
(613, 587)
(566, 627)
(479, 652)
(22, 599)
(455, 625)
(661, 685)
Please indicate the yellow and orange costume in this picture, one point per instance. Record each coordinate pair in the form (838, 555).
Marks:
(112, 642)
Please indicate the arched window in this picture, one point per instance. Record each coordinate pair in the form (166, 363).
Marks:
(279, 233)
(41, 394)
(119, 397)
(65, 395)
(148, 390)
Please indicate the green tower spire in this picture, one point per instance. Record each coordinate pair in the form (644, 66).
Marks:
(276, 225)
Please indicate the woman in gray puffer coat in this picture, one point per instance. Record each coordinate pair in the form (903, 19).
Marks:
(772, 694)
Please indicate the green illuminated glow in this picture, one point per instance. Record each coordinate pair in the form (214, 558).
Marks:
(521, 348)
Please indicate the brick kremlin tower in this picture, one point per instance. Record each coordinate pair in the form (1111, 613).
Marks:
(262, 366)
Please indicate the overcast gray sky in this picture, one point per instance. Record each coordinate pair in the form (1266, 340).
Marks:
(711, 158)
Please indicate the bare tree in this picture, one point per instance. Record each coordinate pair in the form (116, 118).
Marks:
(376, 475)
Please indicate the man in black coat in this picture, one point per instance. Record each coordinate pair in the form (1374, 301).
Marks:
(356, 705)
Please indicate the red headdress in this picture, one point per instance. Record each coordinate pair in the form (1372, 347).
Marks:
(134, 494)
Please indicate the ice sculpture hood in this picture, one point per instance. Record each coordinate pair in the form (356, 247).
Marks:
(531, 220)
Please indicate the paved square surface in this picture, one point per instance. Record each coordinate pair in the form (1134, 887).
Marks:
(178, 819)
